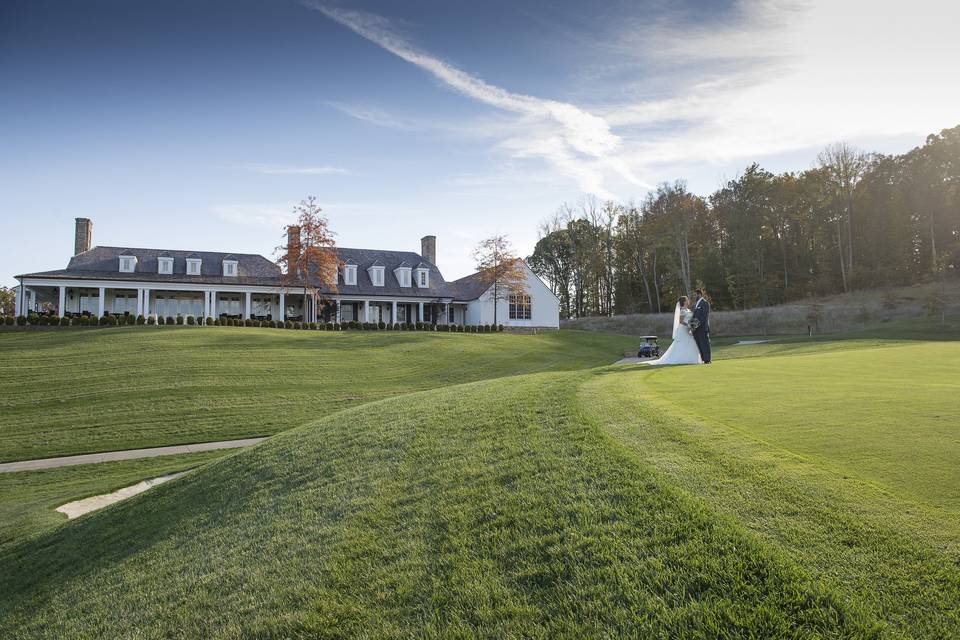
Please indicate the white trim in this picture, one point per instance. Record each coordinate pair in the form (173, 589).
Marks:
(165, 265)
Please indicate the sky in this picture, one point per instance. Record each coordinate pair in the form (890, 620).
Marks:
(199, 124)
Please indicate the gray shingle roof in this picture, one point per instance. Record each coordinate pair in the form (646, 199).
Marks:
(102, 263)
(470, 287)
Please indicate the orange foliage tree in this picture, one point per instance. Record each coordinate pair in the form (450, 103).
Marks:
(309, 258)
(500, 269)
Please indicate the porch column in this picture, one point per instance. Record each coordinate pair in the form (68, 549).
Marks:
(146, 303)
(366, 311)
(139, 302)
(338, 311)
(103, 301)
(18, 303)
(420, 313)
(246, 305)
(446, 313)
(282, 315)
(62, 301)
(393, 314)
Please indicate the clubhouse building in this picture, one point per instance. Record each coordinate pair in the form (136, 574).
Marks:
(372, 286)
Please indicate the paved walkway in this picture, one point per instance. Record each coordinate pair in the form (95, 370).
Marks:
(129, 454)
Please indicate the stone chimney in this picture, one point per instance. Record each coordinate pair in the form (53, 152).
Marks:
(83, 235)
(293, 247)
(428, 248)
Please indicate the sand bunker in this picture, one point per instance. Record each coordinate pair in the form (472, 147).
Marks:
(79, 507)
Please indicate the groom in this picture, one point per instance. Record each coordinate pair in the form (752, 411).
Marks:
(701, 312)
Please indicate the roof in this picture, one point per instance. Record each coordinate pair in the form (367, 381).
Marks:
(100, 263)
(471, 287)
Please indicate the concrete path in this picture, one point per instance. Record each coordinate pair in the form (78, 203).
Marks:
(77, 508)
(129, 454)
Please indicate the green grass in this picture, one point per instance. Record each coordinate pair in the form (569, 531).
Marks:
(802, 488)
(488, 509)
(28, 499)
(76, 391)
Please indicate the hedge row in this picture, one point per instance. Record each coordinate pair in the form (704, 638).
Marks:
(86, 321)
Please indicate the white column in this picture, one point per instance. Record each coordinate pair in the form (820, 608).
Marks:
(18, 303)
(139, 302)
(282, 315)
(62, 301)
(246, 307)
(393, 316)
(446, 313)
(339, 313)
(420, 316)
(366, 311)
(146, 303)
(213, 304)
(103, 301)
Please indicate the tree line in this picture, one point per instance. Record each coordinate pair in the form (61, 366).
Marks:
(852, 221)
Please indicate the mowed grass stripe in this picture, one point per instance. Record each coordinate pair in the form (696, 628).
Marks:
(488, 509)
(897, 557)
(76, 391)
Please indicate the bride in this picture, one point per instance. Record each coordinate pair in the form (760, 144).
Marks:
(684, 348)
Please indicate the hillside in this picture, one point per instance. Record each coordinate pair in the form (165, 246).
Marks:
(71, 391)
(830, 314)
(680, 502)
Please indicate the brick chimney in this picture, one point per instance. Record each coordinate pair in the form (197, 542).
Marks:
(428, 248)
(83, 235)
(293, 247)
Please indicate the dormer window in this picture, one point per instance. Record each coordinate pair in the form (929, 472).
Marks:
(350, 274)
(376, 275)
(423, 277)
(165, 265)
(193, 266)
(403, 275)
(230, 268)
(128, 264)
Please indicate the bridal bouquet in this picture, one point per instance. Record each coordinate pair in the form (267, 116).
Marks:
(693, 324)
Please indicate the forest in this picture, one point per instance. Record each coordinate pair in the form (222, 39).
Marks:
(854, 220)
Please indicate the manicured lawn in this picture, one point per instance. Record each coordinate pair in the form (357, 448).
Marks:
(81, 391)
(889, 415)
(28, 499)
(488, 509)
(802, 488)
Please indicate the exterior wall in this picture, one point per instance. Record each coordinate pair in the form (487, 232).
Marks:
(544, 312)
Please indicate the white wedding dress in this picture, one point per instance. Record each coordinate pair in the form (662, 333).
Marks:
(684, 348)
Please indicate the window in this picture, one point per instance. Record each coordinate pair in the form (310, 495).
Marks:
(376, 276)
(127, 264)
(423, 278)
(403, 276)
(193, 266)
(520, 307)
(350, 274)
(229, 268)
(165, 265)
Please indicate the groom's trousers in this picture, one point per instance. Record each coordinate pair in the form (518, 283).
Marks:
(703, 343)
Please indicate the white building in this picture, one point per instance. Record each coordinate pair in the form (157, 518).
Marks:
(372, 286)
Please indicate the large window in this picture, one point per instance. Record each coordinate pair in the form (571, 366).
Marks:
(520, 307)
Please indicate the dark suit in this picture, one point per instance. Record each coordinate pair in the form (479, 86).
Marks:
(701, 311)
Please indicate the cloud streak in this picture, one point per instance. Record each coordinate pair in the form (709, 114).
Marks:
(576, 143)
(297, 170)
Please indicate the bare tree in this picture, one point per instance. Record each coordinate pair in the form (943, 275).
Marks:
(845, 165)
(500, 269)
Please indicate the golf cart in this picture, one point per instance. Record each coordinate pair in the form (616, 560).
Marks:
(649, 347)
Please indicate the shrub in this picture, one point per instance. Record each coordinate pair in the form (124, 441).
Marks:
(9, 321)
(42, 321)
(312, 326)
(113, 321)
(179, 319)
(84, 321)
(288, 324)
(499, 327)
(419, 326)
(55, 321)
(209, 321)
(141, 319)
(151, 320)
(21, 321)
(461, 328)
(191, 320)
(337, 326)
(170, 320)
(381, 326)
(103, 321)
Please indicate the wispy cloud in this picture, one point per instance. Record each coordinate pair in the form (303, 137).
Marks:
(300, 170)
(574, 143)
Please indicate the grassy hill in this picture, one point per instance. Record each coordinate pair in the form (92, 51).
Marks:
(84, 391)
(758, 497)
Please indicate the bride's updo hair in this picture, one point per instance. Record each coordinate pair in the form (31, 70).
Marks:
(683, 301)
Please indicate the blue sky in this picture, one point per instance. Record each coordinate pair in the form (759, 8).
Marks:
(197, 125)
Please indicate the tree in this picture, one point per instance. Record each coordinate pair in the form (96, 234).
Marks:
(309, 258)
(845, 166)
(500, 269)
(8, 303)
